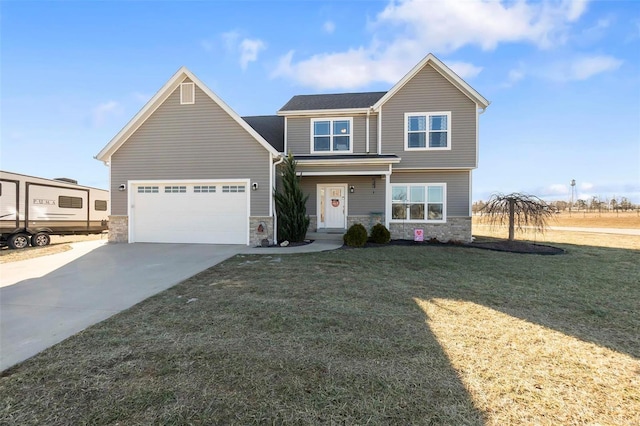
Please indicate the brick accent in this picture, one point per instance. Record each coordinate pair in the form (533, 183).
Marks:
(456, 229)
(118, 229)
(255, 236)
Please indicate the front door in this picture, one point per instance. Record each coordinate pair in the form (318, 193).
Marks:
(334, 207)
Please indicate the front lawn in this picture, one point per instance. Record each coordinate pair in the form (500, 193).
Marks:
(390, 335)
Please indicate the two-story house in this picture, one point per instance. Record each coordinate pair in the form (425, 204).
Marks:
(187, 168)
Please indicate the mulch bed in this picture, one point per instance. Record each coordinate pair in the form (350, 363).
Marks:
(483, 243)
(486, 244)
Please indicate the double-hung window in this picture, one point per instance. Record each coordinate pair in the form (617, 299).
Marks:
(331, 135)
(427, 130)
(418, 202)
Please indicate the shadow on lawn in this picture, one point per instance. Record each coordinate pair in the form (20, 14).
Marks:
(591, 293)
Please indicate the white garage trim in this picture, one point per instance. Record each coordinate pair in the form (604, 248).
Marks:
(132, 186)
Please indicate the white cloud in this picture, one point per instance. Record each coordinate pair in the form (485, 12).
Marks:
(585, 67)
(230, 40)
(249, 49)
(102, 112)
(141, 97)
(581, 68)
(406, 30)
(207, 45)
(464, 69)
(329, 27)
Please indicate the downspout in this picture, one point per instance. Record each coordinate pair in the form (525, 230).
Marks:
(275, 210)
(367, 130)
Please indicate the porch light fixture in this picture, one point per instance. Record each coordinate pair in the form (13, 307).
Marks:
(352, 189)
(254, 186)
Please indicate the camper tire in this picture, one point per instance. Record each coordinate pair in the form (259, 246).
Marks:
(18, 241)
(40, 239)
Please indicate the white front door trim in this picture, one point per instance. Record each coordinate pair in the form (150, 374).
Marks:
(321, 215)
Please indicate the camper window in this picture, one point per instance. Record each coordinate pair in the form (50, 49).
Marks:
(66, 202)
(101, 205)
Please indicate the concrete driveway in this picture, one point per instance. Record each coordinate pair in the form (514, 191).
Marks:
(45, 300)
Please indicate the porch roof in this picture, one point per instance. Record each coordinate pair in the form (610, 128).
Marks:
(320, 165)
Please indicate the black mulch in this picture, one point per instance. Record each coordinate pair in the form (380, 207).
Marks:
(486, 244)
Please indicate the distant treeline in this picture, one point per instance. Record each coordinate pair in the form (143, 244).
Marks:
(596, 204)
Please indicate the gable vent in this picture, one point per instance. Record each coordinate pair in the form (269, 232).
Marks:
(187, 93)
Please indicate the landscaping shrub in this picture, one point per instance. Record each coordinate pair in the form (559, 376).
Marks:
(380, 234)
(356, 236)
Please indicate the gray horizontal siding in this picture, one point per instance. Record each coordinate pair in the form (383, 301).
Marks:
(299, 134)
(199, 141)
(429, 91)
(457, 187)
(364, 200)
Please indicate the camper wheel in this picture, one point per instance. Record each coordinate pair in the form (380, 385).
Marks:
(40, 239)
(18, 241)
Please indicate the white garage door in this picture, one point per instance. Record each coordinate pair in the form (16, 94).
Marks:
(179, 212)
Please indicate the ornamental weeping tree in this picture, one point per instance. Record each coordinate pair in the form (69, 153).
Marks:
(518, 211)
(293, 221)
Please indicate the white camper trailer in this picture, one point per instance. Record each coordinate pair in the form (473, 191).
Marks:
(32, 209)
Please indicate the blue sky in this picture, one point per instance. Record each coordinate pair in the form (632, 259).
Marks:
(563, 77)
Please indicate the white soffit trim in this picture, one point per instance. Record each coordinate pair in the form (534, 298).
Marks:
(158, 99)
(334, 162)
(445, 71)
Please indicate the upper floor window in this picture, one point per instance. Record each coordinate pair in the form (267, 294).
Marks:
(427, 130)
(331, 135)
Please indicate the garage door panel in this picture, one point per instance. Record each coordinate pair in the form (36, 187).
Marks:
(191, 217)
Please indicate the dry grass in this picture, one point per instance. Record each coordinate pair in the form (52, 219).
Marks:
(563, 237)
(630, 219)
(58, 244)
(525, 373)
(391, 335)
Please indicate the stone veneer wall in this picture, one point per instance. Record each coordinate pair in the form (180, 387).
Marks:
(313, 223)
(118, 229)
(456, 229)
(367, 220)
(255, 236)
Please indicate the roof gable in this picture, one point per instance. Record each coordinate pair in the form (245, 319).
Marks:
(159, 98)
(445, 71)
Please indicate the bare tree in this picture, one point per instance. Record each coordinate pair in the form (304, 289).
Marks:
(517, 210)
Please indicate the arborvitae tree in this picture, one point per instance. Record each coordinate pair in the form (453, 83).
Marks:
(518, 211)
(293, 221)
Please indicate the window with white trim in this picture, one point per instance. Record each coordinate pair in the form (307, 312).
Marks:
(427, 130)
(331, 135)
(175, 189)
(418, 202)
(233, 188)
(187, 93)
(147, 190)
(204, 188)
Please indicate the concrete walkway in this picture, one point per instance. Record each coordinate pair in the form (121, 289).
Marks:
(316, 246)
(47, 299)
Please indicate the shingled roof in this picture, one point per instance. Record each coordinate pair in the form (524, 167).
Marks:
(332, 101)
(270, 127)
